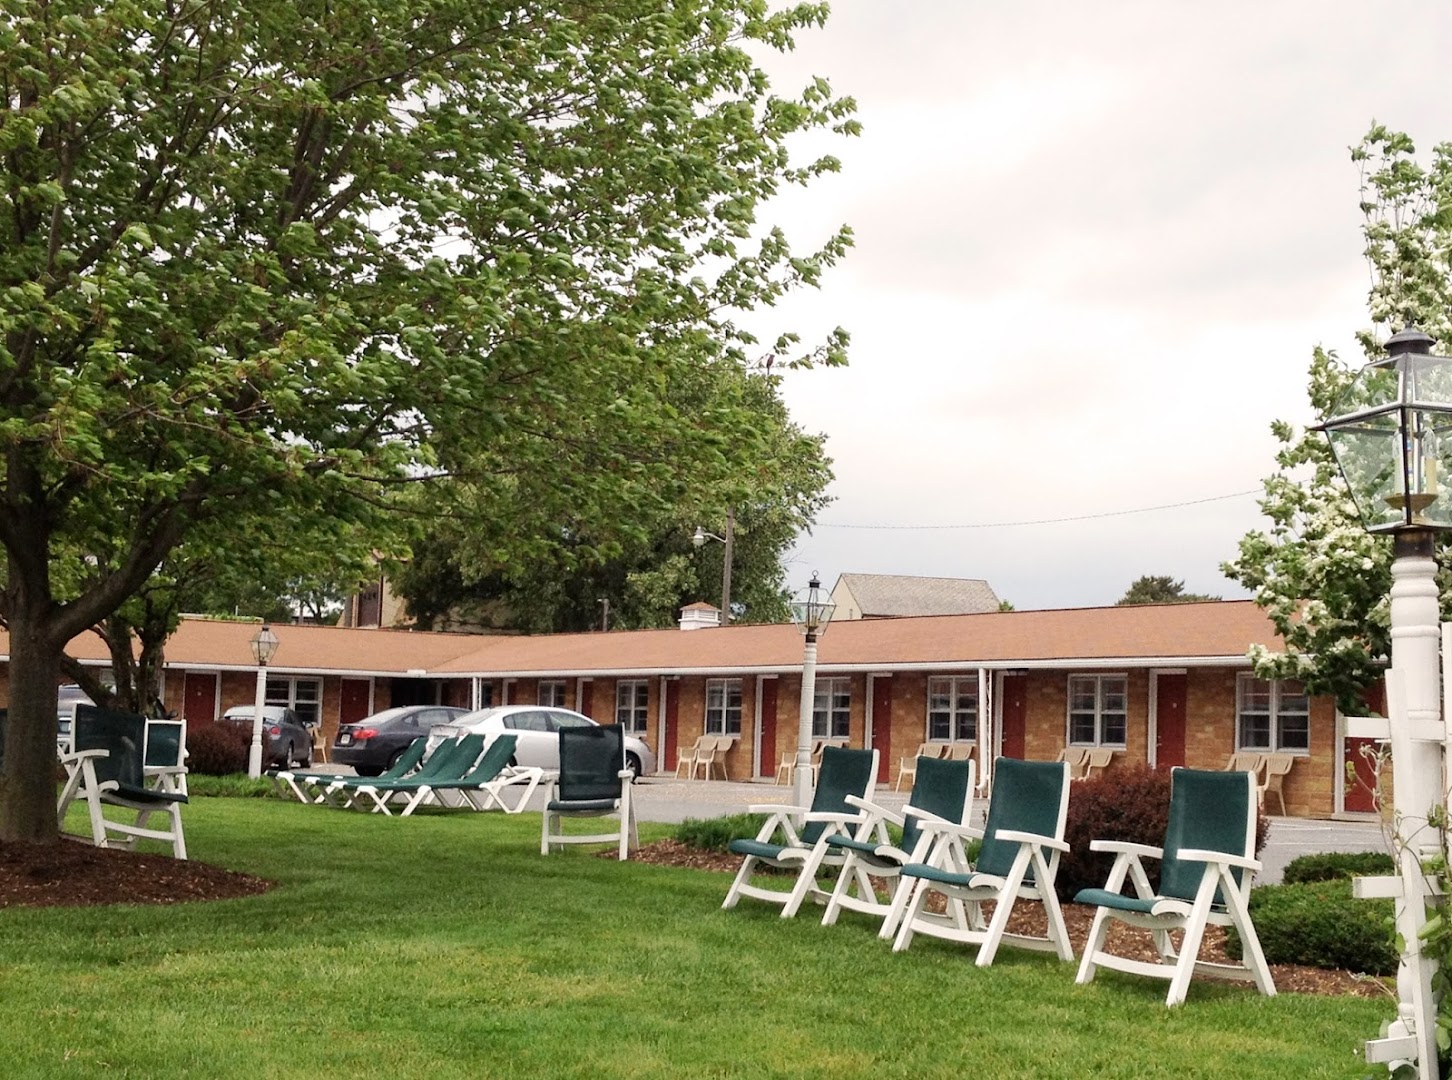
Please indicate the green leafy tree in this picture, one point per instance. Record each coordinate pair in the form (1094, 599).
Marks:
(267, 259)
(1323, 580)
(769, 473)
(1151, 589)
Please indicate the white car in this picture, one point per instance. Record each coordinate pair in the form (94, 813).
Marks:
(537, 729)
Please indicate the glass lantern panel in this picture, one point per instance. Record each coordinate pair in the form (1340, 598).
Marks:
(1369, 453)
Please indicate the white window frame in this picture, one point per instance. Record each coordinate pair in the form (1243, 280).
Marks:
(1287, 715)
(832, 708)
(309, 707)
(1100, 715)
(632, 705)
(552, 692)
(958, 722)
(723, 706)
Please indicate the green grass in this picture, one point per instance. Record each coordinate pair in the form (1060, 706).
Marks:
(446, 946)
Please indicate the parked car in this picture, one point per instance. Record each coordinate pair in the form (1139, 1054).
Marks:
(374, 743)
(67, 697)
(288, 738)
(537, 729)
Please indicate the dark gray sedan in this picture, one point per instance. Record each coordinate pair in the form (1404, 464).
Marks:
(286, 739)
(375, 743)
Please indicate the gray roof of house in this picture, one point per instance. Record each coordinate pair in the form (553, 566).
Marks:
(897, 595)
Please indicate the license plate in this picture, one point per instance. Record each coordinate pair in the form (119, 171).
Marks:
(345, 740)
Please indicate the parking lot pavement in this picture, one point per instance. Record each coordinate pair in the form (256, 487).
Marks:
(666, 799)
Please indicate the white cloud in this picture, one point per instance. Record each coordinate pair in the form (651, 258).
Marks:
(1095, 247)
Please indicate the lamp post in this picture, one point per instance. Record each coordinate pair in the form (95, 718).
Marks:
(1390, 443)
(700, 538)
(811, 613)
(264, 648)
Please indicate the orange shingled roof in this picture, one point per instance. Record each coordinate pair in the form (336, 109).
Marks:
(1164, 633)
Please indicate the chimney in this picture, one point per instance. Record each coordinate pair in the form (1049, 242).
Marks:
(699, 616)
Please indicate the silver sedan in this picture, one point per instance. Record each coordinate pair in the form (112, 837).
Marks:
(537, 729)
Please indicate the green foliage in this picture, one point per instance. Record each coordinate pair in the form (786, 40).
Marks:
(1320, 924)
(267, 263)
(216, 750)
(769, 473)
(1336, 866)
(1321, 578)
(1159, 590)
(1130, 803)
(716, 834)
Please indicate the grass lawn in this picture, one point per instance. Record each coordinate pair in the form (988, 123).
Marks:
(445, 946)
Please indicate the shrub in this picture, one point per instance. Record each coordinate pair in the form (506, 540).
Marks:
(1129, 803)
(714, 834)
(1320, 924)
(1333, 865)
(216, 750)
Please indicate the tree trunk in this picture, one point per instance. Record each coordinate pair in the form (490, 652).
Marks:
(27, 782)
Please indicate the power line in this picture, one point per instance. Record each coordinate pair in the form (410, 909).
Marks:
(1048, 521)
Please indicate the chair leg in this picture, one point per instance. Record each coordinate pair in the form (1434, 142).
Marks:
(918, 899)
(1098, 930)
(806, 880)
(743, 876)
(900, 897)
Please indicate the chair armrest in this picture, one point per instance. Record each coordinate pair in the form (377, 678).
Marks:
(832, 818)
(1014, 836)
(1124, 847)
(875, 810)
(942, 826)
(76, 756)
(775, 808)
(1202, 855)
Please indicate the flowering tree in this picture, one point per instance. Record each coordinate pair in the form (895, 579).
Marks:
(1322, 579)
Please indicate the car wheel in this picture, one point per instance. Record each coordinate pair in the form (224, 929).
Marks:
(287, 756)
(632, 763)
(367, 770)
(392, 760)
(306, 761)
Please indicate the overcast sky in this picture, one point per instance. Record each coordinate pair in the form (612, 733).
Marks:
(1095, 246)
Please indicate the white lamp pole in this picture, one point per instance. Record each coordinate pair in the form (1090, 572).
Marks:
(264, 647)
(1396, 419)
(812, 614)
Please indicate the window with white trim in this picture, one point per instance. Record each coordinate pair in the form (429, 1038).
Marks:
(832, 708)
(302, 696)
(552, 692)
(723, 706)
(1273, 715)
(1098, 709)
(953, 709)
(632, 705)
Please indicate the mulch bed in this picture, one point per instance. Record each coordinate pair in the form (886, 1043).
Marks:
(1029, 919)
(76, 874)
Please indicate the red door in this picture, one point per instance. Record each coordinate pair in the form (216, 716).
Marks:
(672, 709)
(1170, 720)
(768, 725)
(1358, 790)
(353, 701)
(587, 699)
(1013, 715)
(882, 726)
(199, 696)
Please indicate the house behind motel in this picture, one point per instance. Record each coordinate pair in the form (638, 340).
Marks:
(1159, 685)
